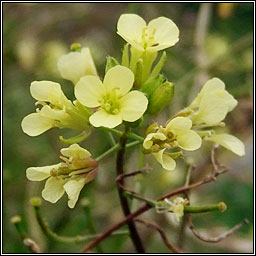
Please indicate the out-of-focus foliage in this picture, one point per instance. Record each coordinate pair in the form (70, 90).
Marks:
(35, 35)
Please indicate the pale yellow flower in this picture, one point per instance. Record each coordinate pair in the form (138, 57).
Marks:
(158, 34)
(176, 206)
(69, 176)
(74, 65)
(229, 142)
(212, 104)
(111, 97)
(57, 110)
(177, 134)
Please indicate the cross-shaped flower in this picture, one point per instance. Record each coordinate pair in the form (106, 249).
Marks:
(112, 98)
(158, 34)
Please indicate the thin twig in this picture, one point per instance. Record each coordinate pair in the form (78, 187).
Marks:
(214, 239)
(162, 234)
(120, 178)
(183, 225)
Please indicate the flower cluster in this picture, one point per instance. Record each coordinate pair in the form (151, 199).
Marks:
(131, 90)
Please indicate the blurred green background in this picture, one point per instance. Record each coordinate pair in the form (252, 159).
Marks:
(215, 40)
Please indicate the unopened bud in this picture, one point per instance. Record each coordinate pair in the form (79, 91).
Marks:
(111, 62)
(75, 47)
(152, 128)
(32, 245)
(150, 86)
(36, 201)
(161, 97)
(15, 219)
(138, 74)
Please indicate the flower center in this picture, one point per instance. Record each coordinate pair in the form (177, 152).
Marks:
(110, 103)
(148, 37)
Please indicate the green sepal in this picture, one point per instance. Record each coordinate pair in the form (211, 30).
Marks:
(125, 56)
(152, 84)
(76, 139)
(111, 62)
(158, 67)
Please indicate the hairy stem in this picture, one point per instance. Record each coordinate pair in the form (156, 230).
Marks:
(123, 200)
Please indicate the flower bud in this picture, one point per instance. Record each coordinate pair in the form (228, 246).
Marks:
(75, 47)
(151, 129)
(111, 62)
(152, 84)
(161, 97)
(76, 64)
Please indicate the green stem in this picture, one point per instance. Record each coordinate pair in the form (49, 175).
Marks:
(16, 221)
(119, 133)
(115, 148)
(65, 239)
(90, 224)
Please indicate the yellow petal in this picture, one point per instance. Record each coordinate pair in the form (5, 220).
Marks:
(55, 114)
(48, 91)
(212, 85)
(178, 211)
(167, 33)
(229, 142)
(34, 124)
(40, 173)
(130, 27)
(73, 188)
(133, 105)
(147, 144)
(88, 91)
(75, 151)
(166, 161)
(90, 68)
(53, 189)
(119, 78)
(72, 66)
(229, 100)
(179, 124)
(189, 140)
(102, 118)
(214, 107)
